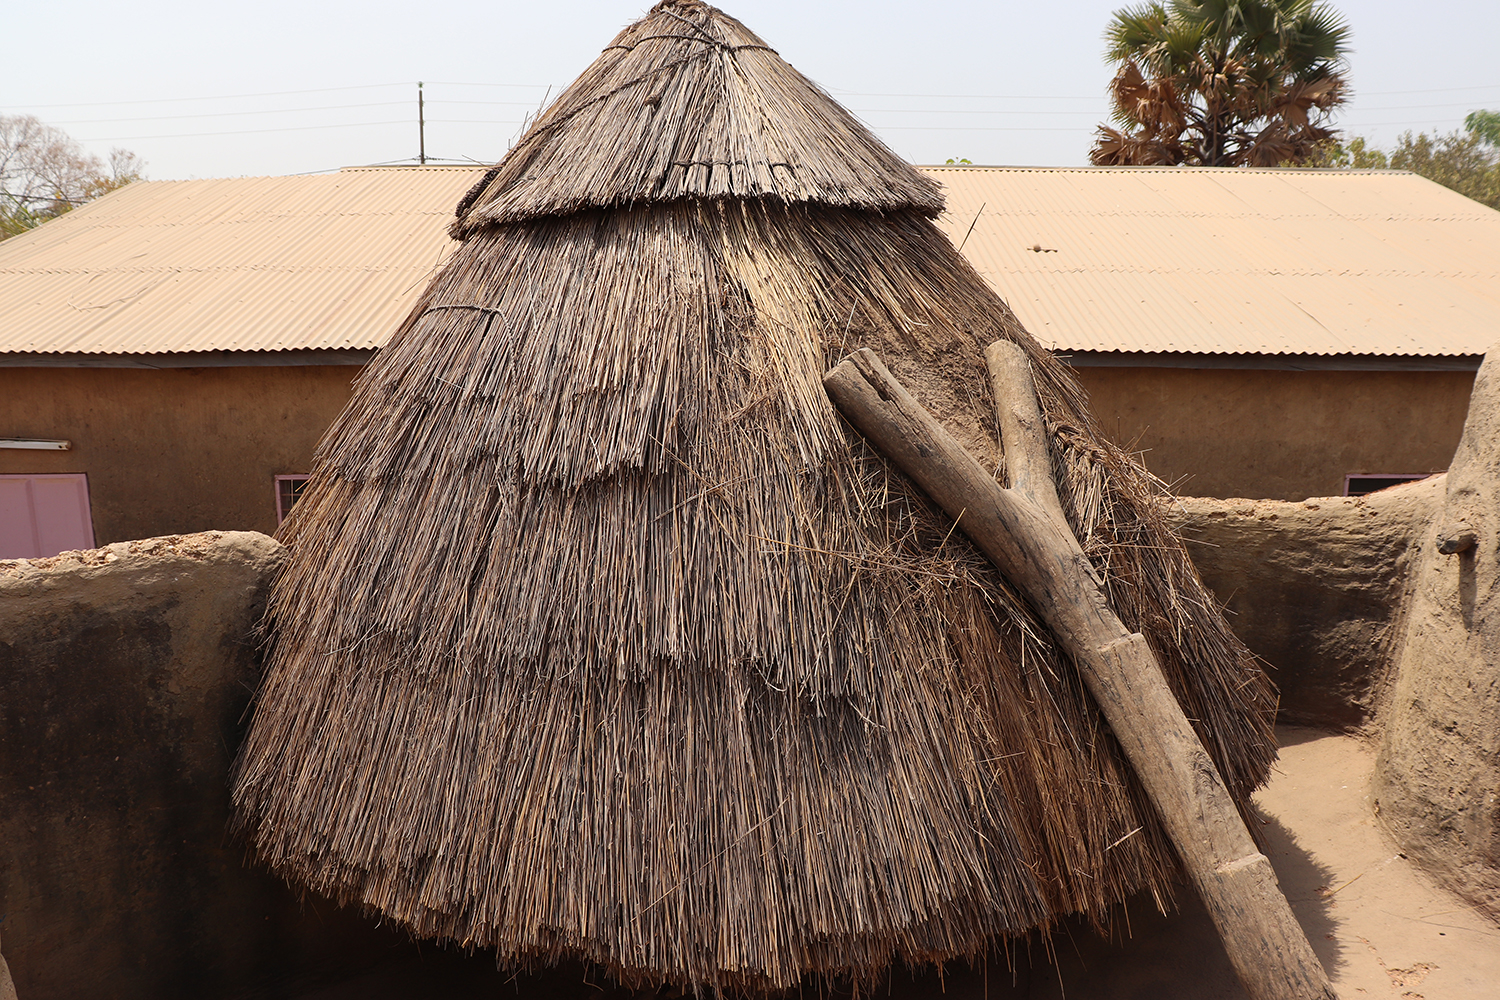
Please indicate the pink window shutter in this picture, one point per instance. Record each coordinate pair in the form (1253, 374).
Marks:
(42, 515)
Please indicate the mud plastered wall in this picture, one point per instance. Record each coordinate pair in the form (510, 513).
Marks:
(124, 674)
(1315, 588)
(1438, 774)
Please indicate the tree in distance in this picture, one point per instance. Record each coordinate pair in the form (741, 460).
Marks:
(44, 172)
(1222, 83)
(1467, 162)
(1485, 125)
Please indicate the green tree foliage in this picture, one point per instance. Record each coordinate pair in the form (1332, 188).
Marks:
(44, 173)
(1462, 161)
(1357, 155)
(1486, 125)
(1222, 83)
(1468, 161)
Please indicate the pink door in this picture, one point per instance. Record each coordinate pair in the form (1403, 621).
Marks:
(43, 515)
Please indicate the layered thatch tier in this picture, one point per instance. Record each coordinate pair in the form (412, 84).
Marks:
(603, 637)
(689, 103)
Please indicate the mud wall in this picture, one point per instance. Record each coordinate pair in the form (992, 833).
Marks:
(124, 673)
(1279, 434)
(173, 450)
(1314, 588)
(191, 449)
(1438, 774)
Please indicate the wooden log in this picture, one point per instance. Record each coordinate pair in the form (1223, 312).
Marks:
(1041, 557)
(1023, 433)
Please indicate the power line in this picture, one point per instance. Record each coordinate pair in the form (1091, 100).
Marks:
(1347, 126)
(972, 97)
(232, 114)
(270, 93)
(1420, 107)
(298, 128)
(47, 198)
(1056, 97)
(508, 104)
(942, 111)
(971, 111)
(1438, 90)
(859, 111)
(540, 86)
(479, 121)
(476, 121)
(973, 128)
(280, 111)
(1344, 126)
(530, 86)
(221, 97)
(247, 131)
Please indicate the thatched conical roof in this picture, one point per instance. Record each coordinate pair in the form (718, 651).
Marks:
(688, 105)
(603, 637)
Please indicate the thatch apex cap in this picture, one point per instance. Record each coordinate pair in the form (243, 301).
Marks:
(689, 103)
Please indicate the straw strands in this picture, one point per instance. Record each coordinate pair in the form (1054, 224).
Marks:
(683, 105)
(602, 637)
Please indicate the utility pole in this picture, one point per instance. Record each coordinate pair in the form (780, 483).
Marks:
(421, 126)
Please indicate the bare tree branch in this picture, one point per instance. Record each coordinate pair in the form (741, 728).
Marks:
(44, 172)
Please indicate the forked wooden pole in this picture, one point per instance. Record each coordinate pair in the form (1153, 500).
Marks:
(1023, 434)
(1037, 553)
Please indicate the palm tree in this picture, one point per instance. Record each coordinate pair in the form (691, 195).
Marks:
(1222, 83)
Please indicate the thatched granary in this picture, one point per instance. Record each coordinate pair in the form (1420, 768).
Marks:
(603, 637)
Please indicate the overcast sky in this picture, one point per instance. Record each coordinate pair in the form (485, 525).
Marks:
(209, 90)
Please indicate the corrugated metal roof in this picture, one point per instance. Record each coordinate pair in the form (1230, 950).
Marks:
(325, 262)
(1207, 261)
(1141, 260)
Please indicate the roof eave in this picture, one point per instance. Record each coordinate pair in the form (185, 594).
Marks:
(1272, 362)
(189, 359)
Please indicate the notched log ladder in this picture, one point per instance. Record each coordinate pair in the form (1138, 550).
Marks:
(1023, 532)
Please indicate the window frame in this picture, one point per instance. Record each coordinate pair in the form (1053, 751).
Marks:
(284, 508)
(1403, 477)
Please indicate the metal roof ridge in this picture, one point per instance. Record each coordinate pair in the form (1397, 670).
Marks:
(382, 167)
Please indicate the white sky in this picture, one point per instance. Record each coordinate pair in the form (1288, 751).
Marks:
(207, 89)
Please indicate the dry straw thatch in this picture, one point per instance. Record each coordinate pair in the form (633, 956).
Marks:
(603, 637)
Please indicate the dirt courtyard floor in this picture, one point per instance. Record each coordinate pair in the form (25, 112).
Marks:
(1391, 931)
(1382, 927)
